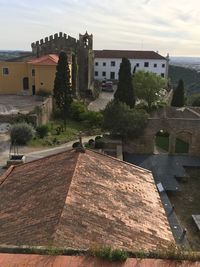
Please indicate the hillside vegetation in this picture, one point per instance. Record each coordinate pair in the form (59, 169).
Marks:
(190, 77)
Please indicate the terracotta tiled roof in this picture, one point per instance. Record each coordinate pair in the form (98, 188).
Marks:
(131, 54)
(15, 260)
(51, 59)
(79, 200)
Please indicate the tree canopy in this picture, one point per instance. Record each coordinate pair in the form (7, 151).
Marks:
(62, 86)
(178, 99)
(125, 90)
(119, 118)
(148, 87)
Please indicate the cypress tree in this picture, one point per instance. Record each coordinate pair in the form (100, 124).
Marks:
(125, 90)
(62, 91)
(178, 98)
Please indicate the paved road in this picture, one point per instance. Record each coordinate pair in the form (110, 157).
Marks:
(32, 153)
(101, 102)
(50, 151)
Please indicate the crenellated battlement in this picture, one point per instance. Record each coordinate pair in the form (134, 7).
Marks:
(79, 54)
(54, 44)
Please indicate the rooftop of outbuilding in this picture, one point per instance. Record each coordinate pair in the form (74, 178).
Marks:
(81, 200)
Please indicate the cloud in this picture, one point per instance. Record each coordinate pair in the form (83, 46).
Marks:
(123, 24)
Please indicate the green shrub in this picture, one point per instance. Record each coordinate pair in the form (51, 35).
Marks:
(56, 114)
(196, 102)
(93, 118)
(21, 133)
(99, 143)
(42, 131)
(97, 137)
(119, 255)
(120, 119)
(91, 142)
(76, 144)
(24, 118)
(108, 254)
(76, 109)
(43, 93)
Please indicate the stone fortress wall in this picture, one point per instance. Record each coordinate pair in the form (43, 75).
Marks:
(80, 55)
(175, 121)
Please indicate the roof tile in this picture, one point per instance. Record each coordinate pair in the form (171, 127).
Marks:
(80, 200)
(131, 54)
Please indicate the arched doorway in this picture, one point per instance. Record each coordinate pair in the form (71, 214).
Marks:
(183, 141)
(25, 83)
(161, 142)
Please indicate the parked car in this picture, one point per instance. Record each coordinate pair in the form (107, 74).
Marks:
(107, 86)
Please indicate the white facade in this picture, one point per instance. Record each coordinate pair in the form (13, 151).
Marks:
(108, 68)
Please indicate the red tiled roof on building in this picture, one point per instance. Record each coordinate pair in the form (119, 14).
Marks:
(131, 54)
(80, 200)
(51, 59)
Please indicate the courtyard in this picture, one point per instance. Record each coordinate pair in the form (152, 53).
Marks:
(18, 103)
(186, 203)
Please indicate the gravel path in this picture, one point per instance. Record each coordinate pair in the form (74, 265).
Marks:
(101, 102)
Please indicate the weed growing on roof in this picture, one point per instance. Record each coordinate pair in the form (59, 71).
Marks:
(110, 254)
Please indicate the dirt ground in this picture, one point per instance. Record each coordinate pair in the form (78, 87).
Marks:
(23, 104)
(187, 203)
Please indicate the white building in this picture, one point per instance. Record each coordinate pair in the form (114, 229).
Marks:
(107, 63)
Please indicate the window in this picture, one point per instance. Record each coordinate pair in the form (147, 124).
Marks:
(137, 64)
(112, 63)
(146, 64)
(162, 75)
(104, 64)
(96, 63)
(112, 75)
(5, 71)
(96, 73)
(155, 65)
(163, 65)
(33, 72)
(103, 73)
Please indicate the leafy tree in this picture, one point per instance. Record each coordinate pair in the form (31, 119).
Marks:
(178, 98)
(62, 86)
(196, 101)
(148, 87)
(119, 118)
(125, 90)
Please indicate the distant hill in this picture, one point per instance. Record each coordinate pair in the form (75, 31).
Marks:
(190, 77)
(9, 54)
(186, 62)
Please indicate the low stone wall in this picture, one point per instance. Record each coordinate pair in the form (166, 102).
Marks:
(40, 115)
(44, 111)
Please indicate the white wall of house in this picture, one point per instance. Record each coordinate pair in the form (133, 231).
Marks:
(103, 67)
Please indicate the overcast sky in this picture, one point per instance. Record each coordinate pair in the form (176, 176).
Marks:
(170, 26)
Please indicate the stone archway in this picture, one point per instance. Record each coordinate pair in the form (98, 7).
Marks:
(161, 142)
(183, 142)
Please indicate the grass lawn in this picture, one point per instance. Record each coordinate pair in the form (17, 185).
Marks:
(162, 142)
(71, 132)
(187, 203)
(181, 146)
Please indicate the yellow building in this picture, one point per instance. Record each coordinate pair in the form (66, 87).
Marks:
(28, 77)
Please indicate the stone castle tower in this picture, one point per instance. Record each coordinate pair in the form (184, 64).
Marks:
(80, 55)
